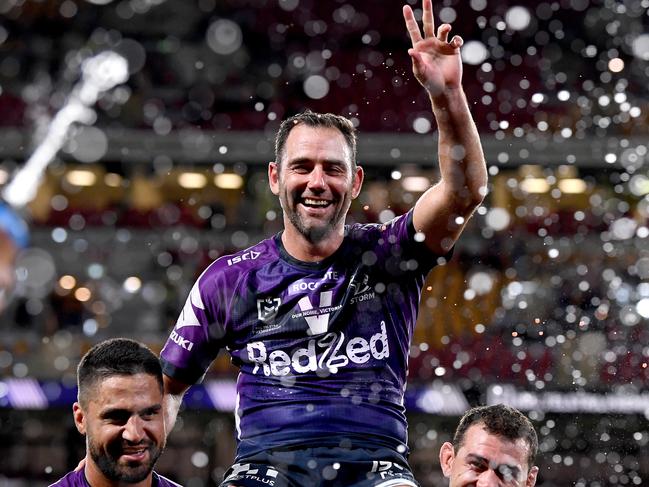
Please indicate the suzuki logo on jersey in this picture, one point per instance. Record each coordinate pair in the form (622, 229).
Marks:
(252, 255)
(330, 352)
(180, 341)
(267, 309)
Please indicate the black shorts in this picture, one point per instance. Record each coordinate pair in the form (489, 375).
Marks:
(322, 467)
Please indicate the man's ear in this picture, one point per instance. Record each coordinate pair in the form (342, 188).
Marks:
(446, 458)
(531, 477)
(359, 175)
(273, 177)
(79, 418)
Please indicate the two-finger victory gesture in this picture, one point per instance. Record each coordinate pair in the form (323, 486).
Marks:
(436, 61)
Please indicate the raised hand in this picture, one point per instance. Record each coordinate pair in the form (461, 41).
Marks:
(436, 61)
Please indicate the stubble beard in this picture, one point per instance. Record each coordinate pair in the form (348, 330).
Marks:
(108, 464)
(312, 233)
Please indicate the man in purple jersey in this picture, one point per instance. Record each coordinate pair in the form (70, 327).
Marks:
(119, 410)
(492, 446)
(319, 318)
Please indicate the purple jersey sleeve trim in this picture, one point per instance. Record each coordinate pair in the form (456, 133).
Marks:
(423, 253)
(160, 481)
(72, 479)
(186, 376)
(200, 332)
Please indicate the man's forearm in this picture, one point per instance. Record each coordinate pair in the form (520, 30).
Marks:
(174, 391)
(442, 211)
(461, 159)
(171, 405)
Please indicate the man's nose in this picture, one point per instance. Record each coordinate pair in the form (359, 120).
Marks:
(134, 430)
(317, 178)
(488, 478)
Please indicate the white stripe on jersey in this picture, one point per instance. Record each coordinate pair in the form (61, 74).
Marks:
(237, 418)
(187, 316)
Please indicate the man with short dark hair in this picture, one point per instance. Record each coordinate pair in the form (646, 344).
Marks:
(492, 446)
(319, 318)
(119, 410)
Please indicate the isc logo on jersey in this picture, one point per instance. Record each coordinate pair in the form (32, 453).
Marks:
(252, 255)
(328, 353)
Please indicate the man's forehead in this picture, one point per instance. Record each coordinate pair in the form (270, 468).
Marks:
(478, 441)
(305, 139)
(117, 389)
(302, 129)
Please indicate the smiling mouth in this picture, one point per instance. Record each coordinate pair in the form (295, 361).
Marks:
(314, 203)
(134, 454)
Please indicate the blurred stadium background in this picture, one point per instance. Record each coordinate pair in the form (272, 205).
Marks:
(545, 304)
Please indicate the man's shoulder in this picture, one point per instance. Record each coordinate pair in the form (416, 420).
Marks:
(361, 231)
(72, 479)
(371, 231)
(243, 260)
(161, 481)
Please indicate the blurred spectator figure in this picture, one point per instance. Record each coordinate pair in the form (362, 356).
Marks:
(492, 446)
(13, 237)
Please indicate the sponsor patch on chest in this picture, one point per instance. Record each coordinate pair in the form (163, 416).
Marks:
(328, 353)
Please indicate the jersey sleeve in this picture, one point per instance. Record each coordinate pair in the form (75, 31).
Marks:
(197, 336)
(402, 250)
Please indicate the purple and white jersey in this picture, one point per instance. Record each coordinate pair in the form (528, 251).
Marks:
(78, 479)
(322, 347)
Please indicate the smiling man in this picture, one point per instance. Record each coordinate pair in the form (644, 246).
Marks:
(319, 318)
(492, 446)
(119, 410)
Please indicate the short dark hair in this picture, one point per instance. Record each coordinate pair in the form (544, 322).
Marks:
(499, 420)
(313, 119)
(117, 356)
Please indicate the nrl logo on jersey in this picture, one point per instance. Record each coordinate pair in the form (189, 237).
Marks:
(267, 309)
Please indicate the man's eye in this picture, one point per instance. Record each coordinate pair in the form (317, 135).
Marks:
(117, 420)
(337, 170)
(507, 474)
(479, 466)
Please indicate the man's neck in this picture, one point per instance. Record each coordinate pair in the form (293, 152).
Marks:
(300, 248)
